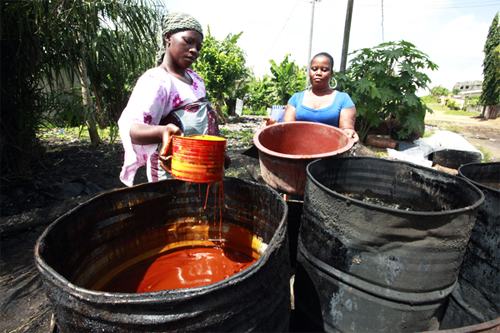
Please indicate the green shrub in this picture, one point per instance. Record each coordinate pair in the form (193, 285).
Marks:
(257, 112)
(429, 99)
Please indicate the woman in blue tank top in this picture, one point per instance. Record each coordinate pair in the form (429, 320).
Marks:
(321, 103)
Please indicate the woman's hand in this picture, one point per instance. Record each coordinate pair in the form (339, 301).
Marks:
(347, 121)
(269, 121)
(166, 149)
(352, 134)
(227, 161)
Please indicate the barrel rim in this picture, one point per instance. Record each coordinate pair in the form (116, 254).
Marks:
(84, 294)
(256, 141)
(479, 185)
(393, 210)
(481, 327)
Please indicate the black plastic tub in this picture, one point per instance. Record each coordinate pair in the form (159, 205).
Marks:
(476, 299)
(380, 244)
(108, 232)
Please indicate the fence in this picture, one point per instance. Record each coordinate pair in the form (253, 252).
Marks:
(491, 112)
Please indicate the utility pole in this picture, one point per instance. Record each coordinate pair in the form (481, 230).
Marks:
(310, 43)
(383, 21)
(347, 31)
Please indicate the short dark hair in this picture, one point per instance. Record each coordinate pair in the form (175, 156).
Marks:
(326, 54)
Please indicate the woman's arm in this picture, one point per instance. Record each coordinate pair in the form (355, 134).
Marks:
(347, 120)
(143, 134)
(289, 113)
(288, 116)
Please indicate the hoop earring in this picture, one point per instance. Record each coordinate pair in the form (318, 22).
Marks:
(335, 86)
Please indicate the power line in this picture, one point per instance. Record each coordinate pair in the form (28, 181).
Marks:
(282, 29)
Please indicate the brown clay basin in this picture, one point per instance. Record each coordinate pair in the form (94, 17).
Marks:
(285, 150)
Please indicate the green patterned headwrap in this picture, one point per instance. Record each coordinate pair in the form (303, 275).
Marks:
(172, 23)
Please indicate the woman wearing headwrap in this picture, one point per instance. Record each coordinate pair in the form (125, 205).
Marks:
(168, 99)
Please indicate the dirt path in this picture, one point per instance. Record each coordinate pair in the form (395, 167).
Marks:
(483, 134)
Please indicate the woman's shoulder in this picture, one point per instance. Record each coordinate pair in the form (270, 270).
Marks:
(155, 76)
(299, 94)
(296, 98)
(194, 75)
(343, 94)
(344, 98)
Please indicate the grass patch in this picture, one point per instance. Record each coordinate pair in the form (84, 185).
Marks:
(429, 99)
(429, 134)
(261, 112)
(243, 136)
(460, 113)
(453, 128)
(439, 107)
(486, 153)
(449, 112)
(381, 153)
(77, 133)
(235, 172)
(445, 127)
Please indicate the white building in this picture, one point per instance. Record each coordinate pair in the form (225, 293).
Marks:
(469, 88)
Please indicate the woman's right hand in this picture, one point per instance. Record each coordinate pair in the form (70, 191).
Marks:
(166, 149)
(269, 121)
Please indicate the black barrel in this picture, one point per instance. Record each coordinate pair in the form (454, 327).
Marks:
(380, 244)
(476, 299)
(105, 233)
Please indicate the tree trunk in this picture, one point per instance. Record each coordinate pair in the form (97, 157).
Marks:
(220, 114)
(484, 110)
(87, 102)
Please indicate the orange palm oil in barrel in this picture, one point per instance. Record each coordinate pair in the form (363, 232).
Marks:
(189, 266)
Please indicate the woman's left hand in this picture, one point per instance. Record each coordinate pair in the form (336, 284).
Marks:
(352, 134)
(166, 149)
(227, 161)
(269, 121)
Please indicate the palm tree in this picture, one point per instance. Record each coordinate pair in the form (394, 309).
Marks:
(46, 41)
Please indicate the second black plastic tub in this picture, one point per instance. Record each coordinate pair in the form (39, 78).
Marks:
(105, 234)
(380, 244)
(476, 299)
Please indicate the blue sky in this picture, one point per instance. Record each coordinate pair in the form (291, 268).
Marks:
(451, 32)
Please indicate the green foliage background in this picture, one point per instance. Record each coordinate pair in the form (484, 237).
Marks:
(221, 64)
(491, 66)
(383, 81)
(47, 46)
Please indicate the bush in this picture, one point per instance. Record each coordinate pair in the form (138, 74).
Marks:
(257, 112)
(451, 103)
(429, 99)
(383, 81)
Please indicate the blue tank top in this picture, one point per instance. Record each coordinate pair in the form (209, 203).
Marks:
(328, 115)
